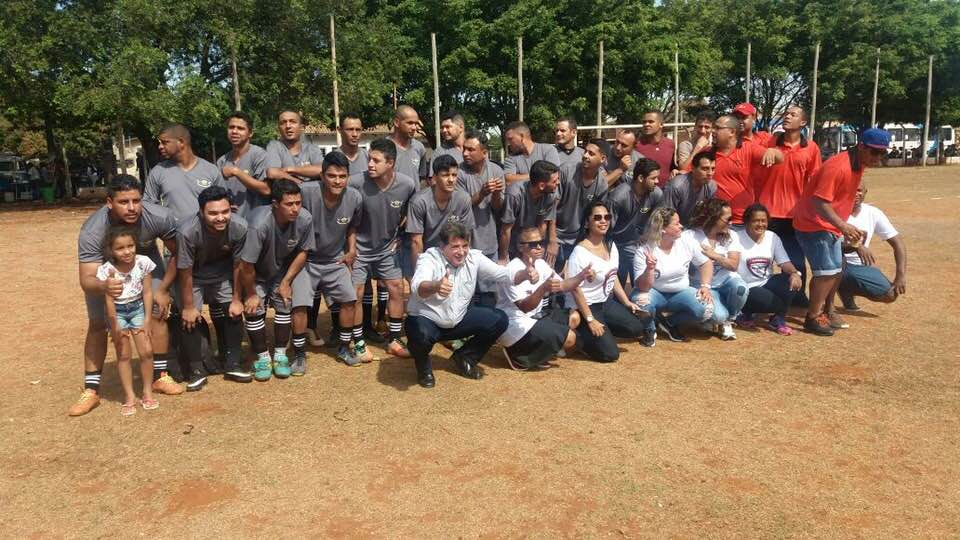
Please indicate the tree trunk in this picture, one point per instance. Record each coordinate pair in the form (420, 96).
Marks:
(53, 156)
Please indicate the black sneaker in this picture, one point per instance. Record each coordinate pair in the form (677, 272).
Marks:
(671, 331)
(370, 334)
(236, 373)
(649, 338)
(848, 303)
(819, 325)
(197, 381)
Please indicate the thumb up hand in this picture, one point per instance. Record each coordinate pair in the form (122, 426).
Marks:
(445, 287)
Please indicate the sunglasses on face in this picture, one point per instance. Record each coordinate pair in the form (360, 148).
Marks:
(533, 244)
(601, 217)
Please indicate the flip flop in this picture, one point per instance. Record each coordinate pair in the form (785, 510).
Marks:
(128, 409)
(149, 404)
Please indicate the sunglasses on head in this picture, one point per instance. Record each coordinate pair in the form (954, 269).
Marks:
(533, 244)
(601, 217)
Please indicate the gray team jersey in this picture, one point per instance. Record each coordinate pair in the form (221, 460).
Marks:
(279, 156)
(613, 163)
(523, 211)
(330, 225)
(270, 248)
(485, 233)
(254, 163)
(630, 213)
(426, 218)
(448, 151)
(574, 198)
(211, 255)
(680, 195)
(520, 164)
(170, 186)
(155, 222)
(413, 161)
(359, 164)
(383, 212)
(567, 158)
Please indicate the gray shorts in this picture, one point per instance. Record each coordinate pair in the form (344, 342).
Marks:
(333, 280)
(213, 293)
(384, 267)
(300, 290)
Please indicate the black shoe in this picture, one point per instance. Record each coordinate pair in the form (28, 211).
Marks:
(819, 326)
(426, 380)
(197, 381)
(467, 368)
(370, 334)
(649, 338)
(671, 331)
(236, 373)
(848, 303)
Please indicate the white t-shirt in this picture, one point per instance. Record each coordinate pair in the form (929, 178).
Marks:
(132, 281)
(875, 222)
(672, 273)
(508, 295)
(757, 258)
(720, 275)
(598, 290)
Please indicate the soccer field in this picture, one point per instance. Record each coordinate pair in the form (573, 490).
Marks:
(767, 436)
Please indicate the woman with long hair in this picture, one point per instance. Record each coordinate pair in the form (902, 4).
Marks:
(605, 310)
(663, 283)
(710, 229)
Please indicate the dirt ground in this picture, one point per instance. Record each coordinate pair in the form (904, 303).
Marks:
(767, 436)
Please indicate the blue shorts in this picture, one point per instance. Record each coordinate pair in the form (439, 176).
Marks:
(860, 280)
(130, 316)
(823, 250)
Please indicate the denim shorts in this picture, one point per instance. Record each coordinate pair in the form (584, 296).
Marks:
(823, 251)
(869, 281)
(130, 316)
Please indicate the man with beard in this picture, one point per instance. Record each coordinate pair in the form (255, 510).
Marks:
(621, 158)
(451, 137)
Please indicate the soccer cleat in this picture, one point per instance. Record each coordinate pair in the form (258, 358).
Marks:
(198, 380)
(298, 368)
(89, 400)
(361, 353)
(166, 385)
(281, 366)
(848, 303)
(397, 348)
(346, 355)
(262, 369)
(373, 335)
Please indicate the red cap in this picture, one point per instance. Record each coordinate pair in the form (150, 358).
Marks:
(745, 109)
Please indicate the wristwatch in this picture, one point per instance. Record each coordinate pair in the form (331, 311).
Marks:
(590, 318)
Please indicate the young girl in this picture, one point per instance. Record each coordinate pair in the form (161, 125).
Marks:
(126, 313)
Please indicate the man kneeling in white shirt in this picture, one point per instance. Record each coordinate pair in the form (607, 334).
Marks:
(534, 336)
(440, 303)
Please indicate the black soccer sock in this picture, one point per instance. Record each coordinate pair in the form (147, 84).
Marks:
(334, 318)
(313, 315)
(218, 312)
(367, 304)
(383, 297)
(91, 380)
(281, 330)
(257, 331)
(357, 332)
(346, 334)
(395, 327)
(300, 343)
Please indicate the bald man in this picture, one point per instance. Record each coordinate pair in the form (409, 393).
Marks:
(411, 154)
(176, 181)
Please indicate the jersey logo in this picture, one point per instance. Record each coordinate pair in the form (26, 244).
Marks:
(396, 204)
(204, 183)
(759, 267)
(415, 161)
(453, 219)
(343, 220)
(292, 243)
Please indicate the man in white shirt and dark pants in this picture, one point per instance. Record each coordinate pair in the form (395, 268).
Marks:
(440, 303)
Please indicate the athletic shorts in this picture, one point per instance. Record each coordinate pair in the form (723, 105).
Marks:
(333, 281)
(860, 280)
(213, 293)
(823, 250)
(300, 290)
(384, 267)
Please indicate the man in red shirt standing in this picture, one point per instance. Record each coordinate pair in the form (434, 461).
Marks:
(735, 160)
(821, 216)
(782, 184)
(747, 114)
(654, 145)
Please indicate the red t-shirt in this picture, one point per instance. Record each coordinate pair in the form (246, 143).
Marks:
(732, 176)
(780, 186)
(761, 138)
(662, 153)
(836, 182)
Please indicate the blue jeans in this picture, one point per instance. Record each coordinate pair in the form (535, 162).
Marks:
(683, 306)
(483, 323)
(729, 298)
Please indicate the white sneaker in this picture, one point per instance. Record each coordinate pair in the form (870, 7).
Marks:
(726, 332)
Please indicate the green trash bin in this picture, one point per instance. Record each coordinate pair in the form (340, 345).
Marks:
(46, 193)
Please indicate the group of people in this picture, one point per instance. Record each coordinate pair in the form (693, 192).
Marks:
(562, 248)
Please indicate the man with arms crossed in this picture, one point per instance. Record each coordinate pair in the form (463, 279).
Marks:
(483, 181)
(244, 167)
(176, 181)
(292, 157)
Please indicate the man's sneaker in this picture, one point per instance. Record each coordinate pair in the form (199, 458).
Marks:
(281, 366)
(726, 331)
(397, 348)
(237, 374)
(373, 335)
(819, 325)
(361, 353)
(837, 322)
(649, 338)
(298, 368)
(262, 369)
(746, 321)
(198, 380)
(778, 325)
(88, 401)
(670, 331)
(848, 303)
(516, 366)
(345, 355)
(166, 385)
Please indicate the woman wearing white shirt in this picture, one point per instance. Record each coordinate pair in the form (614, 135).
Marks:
(768, 292)
(710, 229)
(605, 311)
(663, 282)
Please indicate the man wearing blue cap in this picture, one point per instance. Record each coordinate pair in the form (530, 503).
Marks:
(821, 222)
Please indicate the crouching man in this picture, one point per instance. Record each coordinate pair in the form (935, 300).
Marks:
(440, 303)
